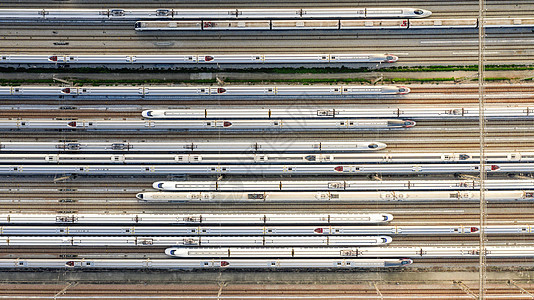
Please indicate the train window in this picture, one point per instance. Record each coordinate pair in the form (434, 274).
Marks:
(452, 195)
(208, 124)
(341, 123)
(204, 230)
(23, 123)
(324, 57)
(84, 90)
(275, 123)
(206, 263)
(147, 169)
(476, 167)
(290, 169)
(17, 90)
(4, 58)
(88, 263)
(336, 90)
(351, 123)
(213, 169)
(224, 169)
(81, 169)
(21, 263)
(202, 90)
(270, 90)
(335, 196)
(90, 123)
(333, 57)
(339, 263)
(273, 263)
(15, 168)
(257, 57)
(180, 158)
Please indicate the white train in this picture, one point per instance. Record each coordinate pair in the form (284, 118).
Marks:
(335, 263)
(271, 230)
(330, 24)
(284, 58)
(204, 91)
(406, 112)
(242, 241)
(341, 185)
(265, 146)
(209, 125)
(319, 252)
(207, 14)
(271, 158)
(384, 196)
(263, 169)
(155, 219)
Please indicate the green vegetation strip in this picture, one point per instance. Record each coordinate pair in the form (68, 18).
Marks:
(91, 82)
(266, 69)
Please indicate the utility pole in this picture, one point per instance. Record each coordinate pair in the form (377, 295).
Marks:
(482, 136)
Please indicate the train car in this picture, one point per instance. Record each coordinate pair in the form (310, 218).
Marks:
(261, 169)
(271, 158)
(167, 25)
(236, 25)
(407, 112)
(234, 13)
(272, 146)
(335, 263)
(443, 23)
(304, 24)
(242, 241)
(286, 241)
(373, 24)
(386, 196)
(200, 58)
(508, 22)
(194, 218)
(132, 91)
(340, 185)
(263, 230)
(229, 125)
(295, 252)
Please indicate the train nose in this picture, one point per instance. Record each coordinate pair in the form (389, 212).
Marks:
(422, 13)
(408, 124)
(391, 58)
(403, 90)
(139, 196)
(158, 185)
(147, 114)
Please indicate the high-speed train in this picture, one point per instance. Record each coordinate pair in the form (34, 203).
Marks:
(295, 252)
(207, 125)
(195, 147)
(263, 169)
(282, 58)
(406, 111)
(263, 230)
(324, 196)
(264, 158)
(152, 219)
(205, 91)
(151, 263)
(341, 185)
(203, 14)
(189, 241)
(329, 24)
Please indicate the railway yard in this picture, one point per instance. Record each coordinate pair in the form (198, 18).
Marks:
(237, 150)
